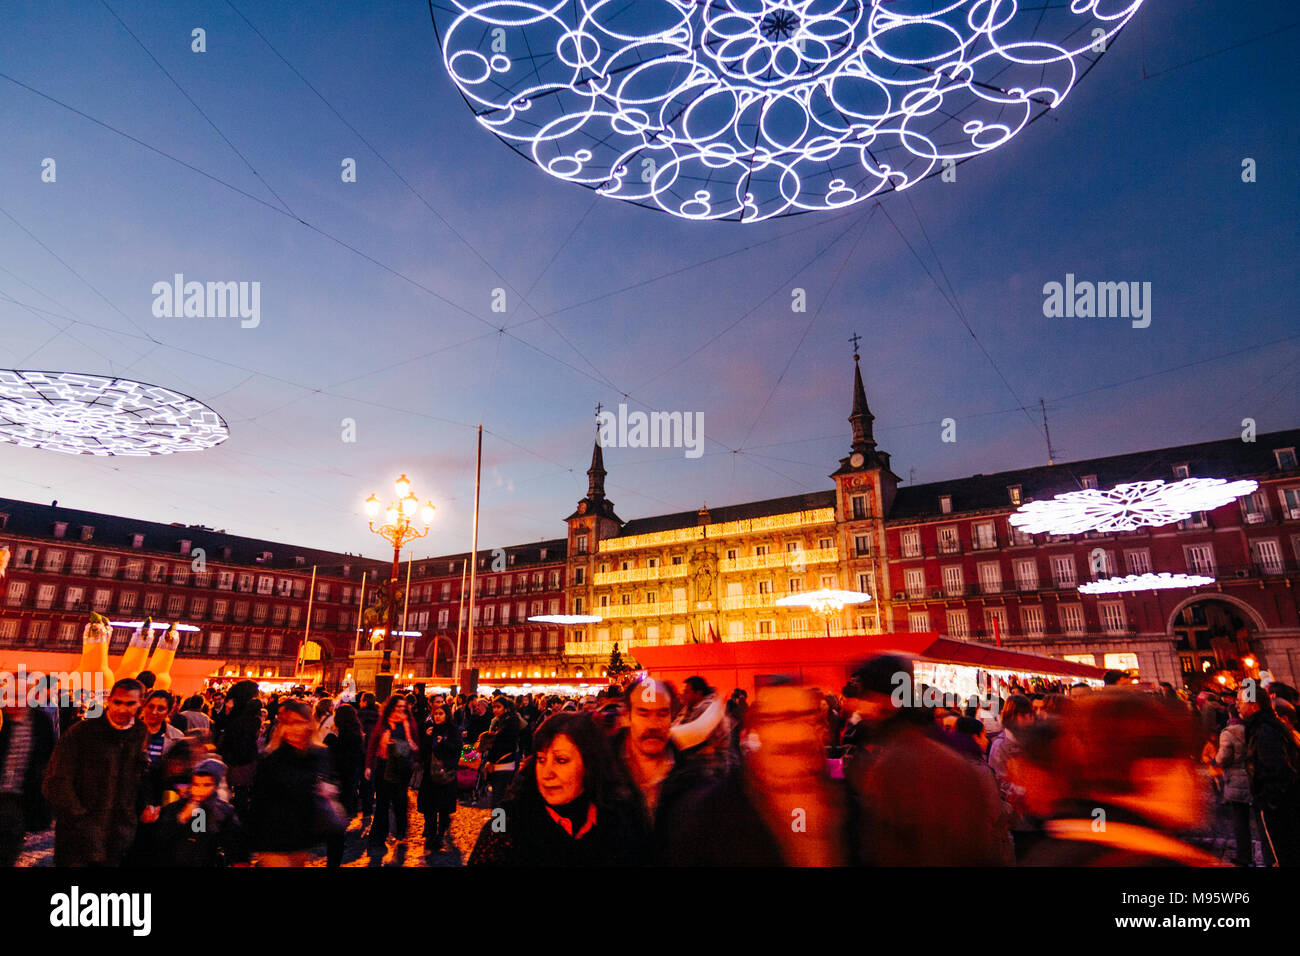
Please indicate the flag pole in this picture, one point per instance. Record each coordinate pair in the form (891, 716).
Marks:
(306, 633)
(361, 609)
(473, 555)
(406, 605)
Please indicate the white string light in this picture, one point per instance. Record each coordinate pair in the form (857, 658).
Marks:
(1145, 582)
(749, 109)
(82, 414)
(1127, 507)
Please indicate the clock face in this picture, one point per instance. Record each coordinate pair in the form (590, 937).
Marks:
(582, 507)
(856, 459)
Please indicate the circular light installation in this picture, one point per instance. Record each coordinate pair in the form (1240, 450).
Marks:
(749, 109)
(1127, 507)
(566, 619)
(825, 601)
(1145, 582)
(82, 414)
(155, 626)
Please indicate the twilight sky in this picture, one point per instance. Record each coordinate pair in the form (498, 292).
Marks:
(376, 297)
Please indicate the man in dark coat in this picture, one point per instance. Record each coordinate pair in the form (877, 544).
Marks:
(26, 742)
(1273, 762)
(93, 780)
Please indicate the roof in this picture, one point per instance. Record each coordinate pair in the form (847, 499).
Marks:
(751, 509)
(1226, 458)
(33, 520)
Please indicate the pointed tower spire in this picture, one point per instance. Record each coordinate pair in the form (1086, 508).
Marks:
(596, 473)
(864, 440)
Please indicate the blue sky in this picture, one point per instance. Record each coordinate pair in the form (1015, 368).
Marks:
(1131, 179)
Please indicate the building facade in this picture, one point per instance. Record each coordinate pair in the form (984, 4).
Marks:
(939, 557)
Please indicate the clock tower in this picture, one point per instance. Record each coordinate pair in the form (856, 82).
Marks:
(864, 492)
(591, 522)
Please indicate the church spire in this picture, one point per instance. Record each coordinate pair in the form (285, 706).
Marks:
(596, 473)
(864, 441)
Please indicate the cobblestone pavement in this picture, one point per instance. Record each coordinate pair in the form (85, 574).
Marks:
(38, 850)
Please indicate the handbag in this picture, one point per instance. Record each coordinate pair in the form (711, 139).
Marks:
(398, 765)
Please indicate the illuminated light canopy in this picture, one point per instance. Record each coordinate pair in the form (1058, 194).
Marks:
(747, 109)
(83, 414)
(825, 601)
(566, 618)
(1145, 582)
(1127, 507)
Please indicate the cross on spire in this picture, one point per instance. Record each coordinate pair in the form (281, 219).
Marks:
(855, 339)
(599, 407)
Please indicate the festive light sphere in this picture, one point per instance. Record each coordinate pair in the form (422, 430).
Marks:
(1145, 582)
(1127, 507)
(749, 109)
(82, 414)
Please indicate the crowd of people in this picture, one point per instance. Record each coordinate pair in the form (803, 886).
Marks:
(653, 774)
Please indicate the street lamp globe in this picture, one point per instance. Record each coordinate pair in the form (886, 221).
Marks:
(426, 513)
(402, 486)
(410, 505)
(372, 506)
(391, 514)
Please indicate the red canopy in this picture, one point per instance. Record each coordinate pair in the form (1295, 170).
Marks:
(827, 661)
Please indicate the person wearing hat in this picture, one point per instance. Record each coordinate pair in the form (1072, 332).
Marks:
(203, 830)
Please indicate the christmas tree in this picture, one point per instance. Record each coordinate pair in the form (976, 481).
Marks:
(616, 664)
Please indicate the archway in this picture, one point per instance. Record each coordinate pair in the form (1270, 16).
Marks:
(1213, 632)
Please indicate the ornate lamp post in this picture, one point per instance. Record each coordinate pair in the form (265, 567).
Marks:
(398, 528)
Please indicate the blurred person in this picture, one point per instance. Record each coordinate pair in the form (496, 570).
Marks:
(92, 782)
(390, 760)
(347, 751)
(1230, 760)
(162, 736)
(569, 805)
(436, 798)
(971, 739)
(1017, 713)
(27, 740)
(193, 716)
(368, 713)
(918, 802)
(1272, 759)
(701, 731)
(779, 807)
(202, 830)
(323, 715)
(292, 792)
(238, 744)
(501, 759)
(1114, 782)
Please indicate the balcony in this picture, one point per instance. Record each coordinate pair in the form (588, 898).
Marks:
(659, 573)
(651, 609)
(780, 559)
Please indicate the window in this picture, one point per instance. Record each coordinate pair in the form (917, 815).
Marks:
(157, 572)
(54, 561)
(953, 585)
(864, 582)
(1014, 493)
(152, 602)
(910, 542)
(581, 542)
(1181, 471)
(126, 601)
(175, 605)
(1063, 571)
(225, 580)
(60, 529)
(765, 587)
(322, 592)
(1254, 507)
(959, 624)
(107, 566)
(259, 613)
(765, 627)
(87, 532)
(990, 577)
(798, 626)
(676, 559)
(219, 607)
(860, 507)
(1290, 498)
(45, 596)
(918, 621)
(1021, 537)
(17, 593)
(265, 584)
(1197, 520)
(1266, 556)
(1112, 616)
(796, 585)
(945, 504)
(73, 599)
(1031, 619)
(137, 541)
(1286, 460)
(995, 621)
(1138, 562)
(861, 544)
(825, 544)
(1088, 481)
(985, 536)
(1072, 618)
(81, 562)
(948, 540)
(1101, 564)
(1027, 574)
(914, 581)
(1200, 558)
(761, 549)
(442, 619)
